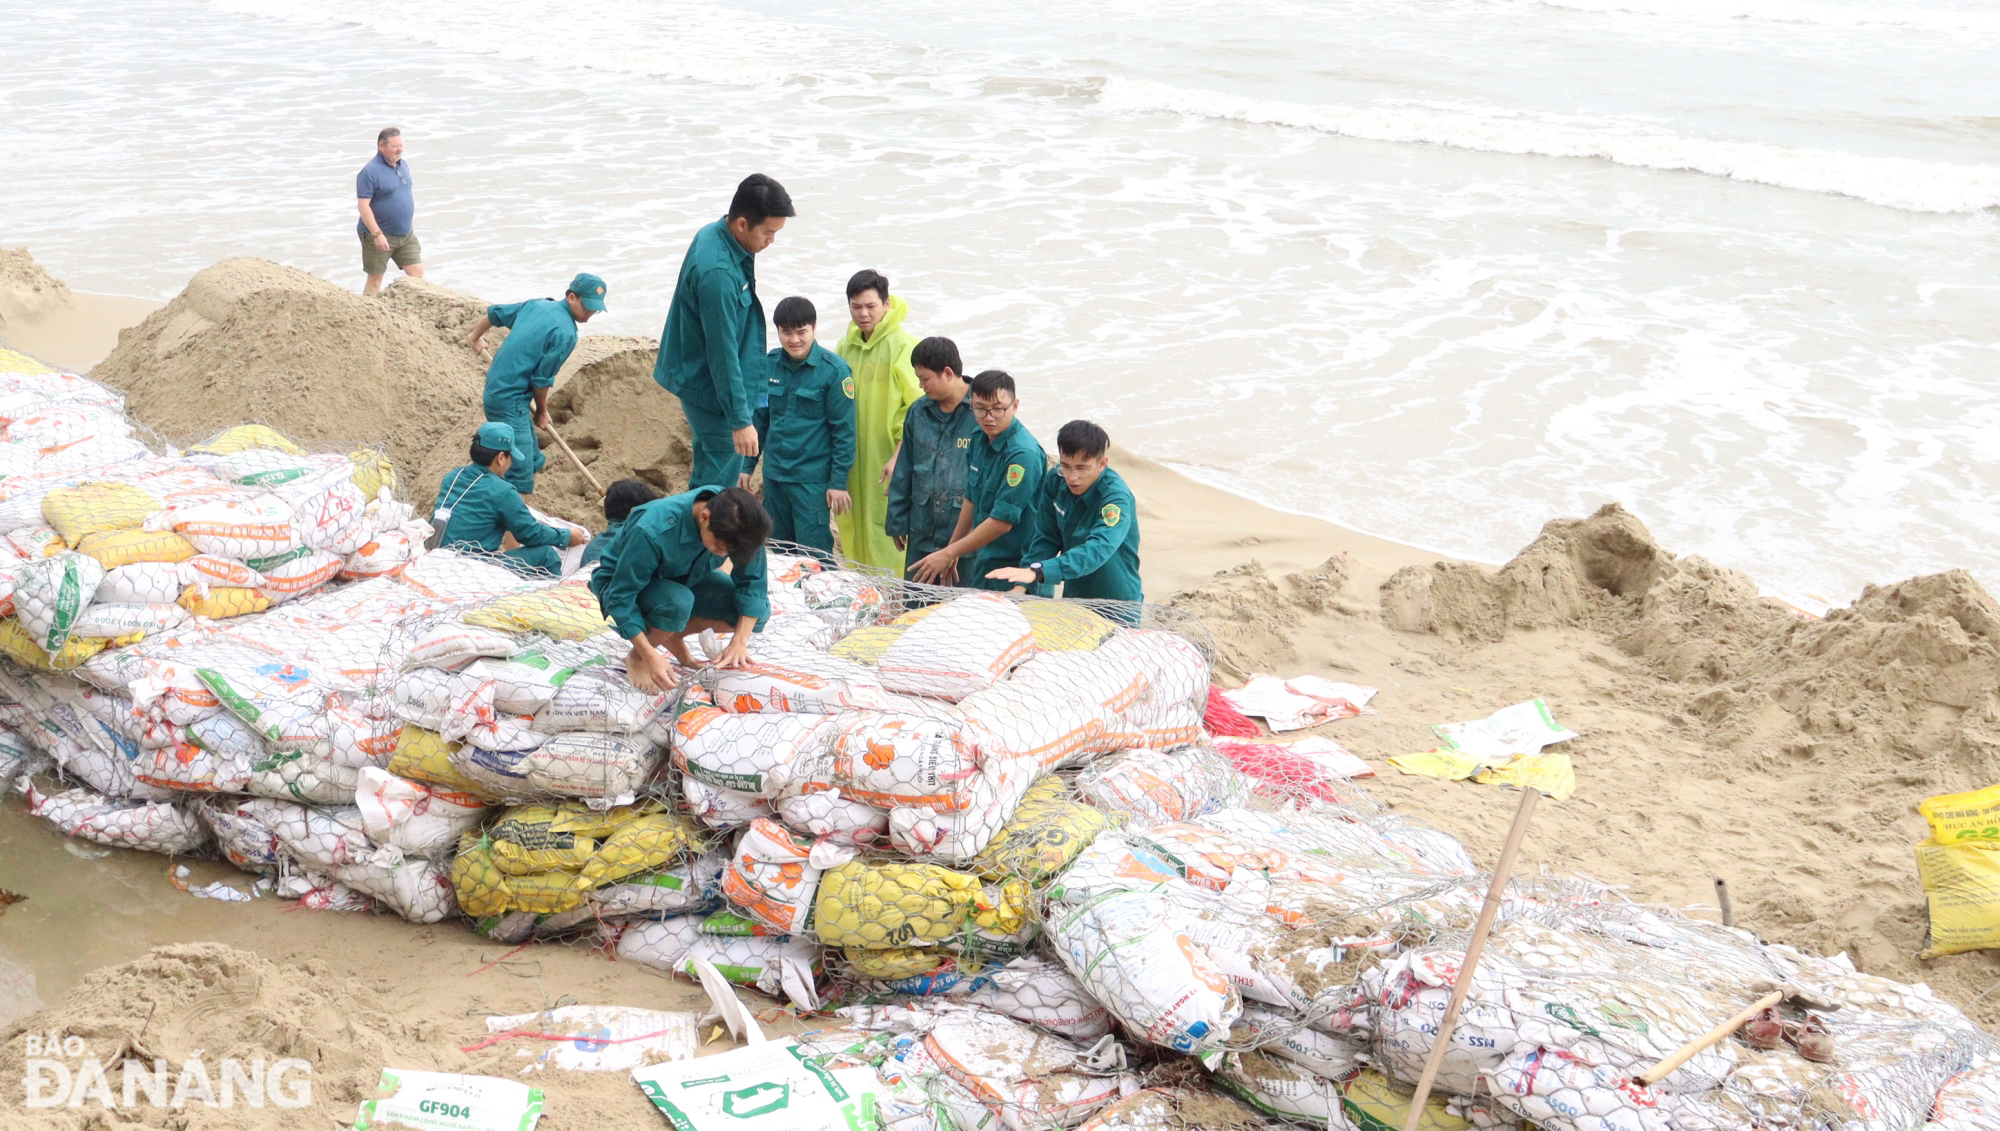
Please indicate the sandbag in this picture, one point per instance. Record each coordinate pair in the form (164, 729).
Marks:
(1125, 948)
(1030, 1080)
(246, 437)
(984, 804)
(757, 755)
(892, 760)
(968, 644)
(18, 645)
(385, 553)
(527, 681)
(256, 527)
(51, 594)
(113, 621)
(1046, 832)
(1155, 787)
(223, 603)
(883, 904)
(114, 548)
(568, 611)
(90, 508)
(720, 808)
(150, 826)
(771, 876)
(775, 965)
(1049, 723)
(1961, 884)
(589, 764)
(143, 583)
(601, 698)
(416, 889)
(453, 644)
(294, 573)
(418, 818)
(826, 814)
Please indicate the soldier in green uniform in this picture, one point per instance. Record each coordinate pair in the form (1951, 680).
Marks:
(1003, 476)
(928, 487)
(1086, 524)
(479, 507)
(541, 332)
(713, 342)
(661, 579)
(805, 426)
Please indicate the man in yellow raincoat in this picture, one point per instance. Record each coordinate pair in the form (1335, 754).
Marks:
(877, 348)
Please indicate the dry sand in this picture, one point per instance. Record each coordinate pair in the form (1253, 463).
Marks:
(1722, 735)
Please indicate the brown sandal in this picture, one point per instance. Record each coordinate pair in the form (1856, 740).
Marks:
(1812, 1038)
(1764, 1031)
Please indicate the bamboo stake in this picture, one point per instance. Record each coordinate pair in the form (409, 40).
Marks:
(1480, 930)
(1658, 1072)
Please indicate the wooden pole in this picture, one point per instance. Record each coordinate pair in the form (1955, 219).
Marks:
(579, 463)
(1722, 901)
(1659, 1071)
(1480, 930)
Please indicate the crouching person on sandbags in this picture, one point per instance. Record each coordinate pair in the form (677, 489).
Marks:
(483, 506)
(660, 579)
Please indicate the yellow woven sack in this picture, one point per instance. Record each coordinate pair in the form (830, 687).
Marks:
(866, 645)
(114, 548)
(563, 612)
(91, 507)
(915, 615)
(372, 471)
(1046, 833)
(425, 756)
(223, 602)
(1372, 1103)
(247, 437)
(1962, 885)
(19, 646)
(1957, 817)
(12, 362)
(882, 905)
(483, 889)
(890, 965)
(599, 848)
(1062, 627)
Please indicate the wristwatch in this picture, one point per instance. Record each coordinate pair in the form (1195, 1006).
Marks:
(1039, 575)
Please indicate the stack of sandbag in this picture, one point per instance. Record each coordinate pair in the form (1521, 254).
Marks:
(525, 697)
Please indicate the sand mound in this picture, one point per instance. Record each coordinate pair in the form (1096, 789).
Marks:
(206, 1002)
(619, 422)
(1250, 617)
(27, 292)
(1574, 569)
(248, 338)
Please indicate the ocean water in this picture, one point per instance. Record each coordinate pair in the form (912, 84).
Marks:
(1434, 269)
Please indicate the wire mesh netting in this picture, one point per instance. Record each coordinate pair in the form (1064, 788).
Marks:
(989, 830)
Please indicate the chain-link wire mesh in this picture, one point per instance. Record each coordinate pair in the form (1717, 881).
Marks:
(990, 827)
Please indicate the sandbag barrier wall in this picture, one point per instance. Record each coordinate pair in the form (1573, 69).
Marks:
(990, 827)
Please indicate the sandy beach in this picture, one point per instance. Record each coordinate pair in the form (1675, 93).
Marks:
(1722, 735)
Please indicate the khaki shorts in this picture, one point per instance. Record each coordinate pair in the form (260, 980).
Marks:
(405, 250)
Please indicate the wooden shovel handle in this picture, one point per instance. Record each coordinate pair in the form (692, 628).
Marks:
(579, 463)
(1681, 1056)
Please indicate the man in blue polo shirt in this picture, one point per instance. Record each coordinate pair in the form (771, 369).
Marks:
(388, 208)
(541, 334)
(713, 343)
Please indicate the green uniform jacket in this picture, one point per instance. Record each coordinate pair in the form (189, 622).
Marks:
(929, 484)
(540, 336)
(714, 337)
(885, 386)
(661, 541)
(1089, 542)
(1003, 480)
(483, 507)
(805, 420)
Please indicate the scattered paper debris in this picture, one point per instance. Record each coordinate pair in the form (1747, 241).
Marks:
(1504, 748)
(774, 1086)
(597, 1038)
(448, 1101)
(1300, 702)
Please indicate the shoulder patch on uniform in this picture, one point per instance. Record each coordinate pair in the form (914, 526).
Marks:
(1111, 514)
(847, 386)
(1014, 473)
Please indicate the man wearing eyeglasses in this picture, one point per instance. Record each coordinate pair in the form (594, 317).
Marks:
(1002, 480)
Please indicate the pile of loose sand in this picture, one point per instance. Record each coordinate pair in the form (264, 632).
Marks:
(208, 1002)
(27, 292)
(249, 340)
